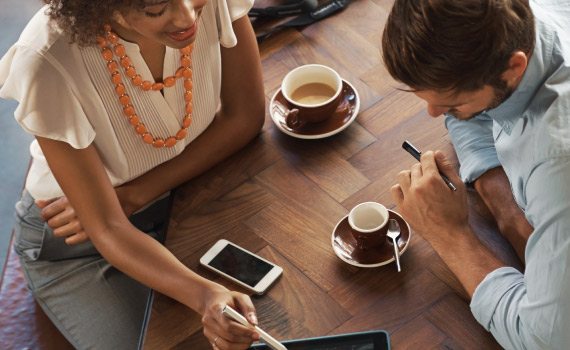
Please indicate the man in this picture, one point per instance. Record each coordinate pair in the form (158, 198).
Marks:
(499, 70)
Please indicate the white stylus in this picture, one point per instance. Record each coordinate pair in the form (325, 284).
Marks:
(264, 337)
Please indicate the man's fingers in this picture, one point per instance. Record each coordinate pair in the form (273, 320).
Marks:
(429, 166)
(436, 163)
(397, 194)
(445, 167)
(404, 180)
(416, 172)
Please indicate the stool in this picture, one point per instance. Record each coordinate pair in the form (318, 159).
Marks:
(23, 324)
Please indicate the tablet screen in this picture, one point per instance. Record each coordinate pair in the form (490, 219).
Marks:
(346, 345)
(376, 340)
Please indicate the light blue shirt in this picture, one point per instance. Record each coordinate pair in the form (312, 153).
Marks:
(529, 136)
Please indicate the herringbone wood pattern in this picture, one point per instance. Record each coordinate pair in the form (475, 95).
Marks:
(281, 197)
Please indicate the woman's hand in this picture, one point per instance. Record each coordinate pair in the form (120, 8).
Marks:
(223, 333)
(61, 217)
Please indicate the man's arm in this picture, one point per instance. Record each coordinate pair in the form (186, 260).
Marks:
(530, 311)
(475, 148)
(534, 312)
(474, 145)
(495, 190)
(439, 215)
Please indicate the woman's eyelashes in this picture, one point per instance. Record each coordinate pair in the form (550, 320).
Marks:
(155, 10)
(155, 14)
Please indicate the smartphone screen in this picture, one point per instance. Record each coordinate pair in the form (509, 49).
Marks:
(240, 265)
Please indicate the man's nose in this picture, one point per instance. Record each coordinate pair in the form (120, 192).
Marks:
(436, 111)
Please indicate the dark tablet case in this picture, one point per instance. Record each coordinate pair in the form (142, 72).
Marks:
(372, 340)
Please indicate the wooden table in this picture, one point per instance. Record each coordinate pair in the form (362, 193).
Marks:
(281, 198)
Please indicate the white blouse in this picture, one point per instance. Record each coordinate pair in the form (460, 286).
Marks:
(65, 93)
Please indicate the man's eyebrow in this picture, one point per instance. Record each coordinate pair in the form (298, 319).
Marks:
(453, 105)
(456, 104)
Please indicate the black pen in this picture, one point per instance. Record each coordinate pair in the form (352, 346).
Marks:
(417, 154)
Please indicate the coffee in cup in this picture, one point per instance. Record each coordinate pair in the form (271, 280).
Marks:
(313, 93)
(369, 224)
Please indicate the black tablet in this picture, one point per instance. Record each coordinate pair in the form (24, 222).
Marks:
(373, 340)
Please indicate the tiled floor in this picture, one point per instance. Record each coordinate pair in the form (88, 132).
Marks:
(14, 142)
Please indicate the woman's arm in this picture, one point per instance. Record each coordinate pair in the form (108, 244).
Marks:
(83, 179)
(238, 121)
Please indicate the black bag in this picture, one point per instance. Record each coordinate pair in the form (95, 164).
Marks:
(306, 12)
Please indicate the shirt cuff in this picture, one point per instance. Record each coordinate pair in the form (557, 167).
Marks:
(477, 163)
(491, 291)
(474, 145)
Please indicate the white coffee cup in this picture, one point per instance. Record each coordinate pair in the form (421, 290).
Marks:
(368, 222)
(313, 92)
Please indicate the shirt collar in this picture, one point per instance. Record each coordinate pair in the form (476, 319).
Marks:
(511, 110)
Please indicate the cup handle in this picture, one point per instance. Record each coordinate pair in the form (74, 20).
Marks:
(293, 119)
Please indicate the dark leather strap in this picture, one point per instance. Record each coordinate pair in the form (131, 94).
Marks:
(307, 18)
(289, 9)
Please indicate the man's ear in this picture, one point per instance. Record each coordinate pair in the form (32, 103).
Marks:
(517, 66)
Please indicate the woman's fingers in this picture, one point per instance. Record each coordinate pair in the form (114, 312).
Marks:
(61, 217)
(51, 207)
(246, 308)
(77, 238)
(43, 203)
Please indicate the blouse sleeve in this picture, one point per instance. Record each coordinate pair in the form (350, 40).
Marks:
(47, 106)
(229, 11)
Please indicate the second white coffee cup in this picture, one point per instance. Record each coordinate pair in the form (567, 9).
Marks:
(313, 93)
(368, 223)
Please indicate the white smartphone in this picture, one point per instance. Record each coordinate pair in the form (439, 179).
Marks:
(241, 266)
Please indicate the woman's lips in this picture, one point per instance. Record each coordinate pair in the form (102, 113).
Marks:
(183, 34)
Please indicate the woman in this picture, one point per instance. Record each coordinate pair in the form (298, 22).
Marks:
(127, 100)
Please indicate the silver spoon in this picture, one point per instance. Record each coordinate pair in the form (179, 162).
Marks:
(394, 233)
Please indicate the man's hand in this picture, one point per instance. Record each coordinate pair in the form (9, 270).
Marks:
(439, 215)
(427, 203)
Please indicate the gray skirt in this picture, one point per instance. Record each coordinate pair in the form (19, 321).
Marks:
(93, 304)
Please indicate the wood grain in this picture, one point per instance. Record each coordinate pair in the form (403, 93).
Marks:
(281, 198)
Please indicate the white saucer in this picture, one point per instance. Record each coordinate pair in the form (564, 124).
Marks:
(344, 115)
(344, 244)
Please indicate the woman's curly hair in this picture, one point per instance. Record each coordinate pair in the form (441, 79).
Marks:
(84, 19)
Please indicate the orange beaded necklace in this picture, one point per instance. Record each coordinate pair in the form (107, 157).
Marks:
(183, 72)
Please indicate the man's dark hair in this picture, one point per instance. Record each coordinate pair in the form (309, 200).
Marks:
(84, 19)
(455, 45)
